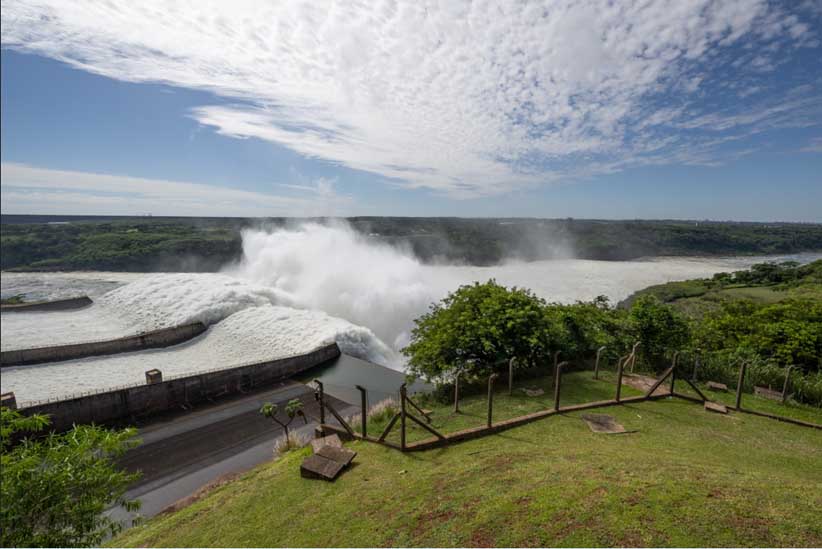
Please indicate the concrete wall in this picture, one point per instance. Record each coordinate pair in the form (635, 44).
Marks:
(141, 402)
(146, 340)
(56, 305)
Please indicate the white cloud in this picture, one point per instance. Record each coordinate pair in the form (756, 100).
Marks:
(29, 189)
(464, 98)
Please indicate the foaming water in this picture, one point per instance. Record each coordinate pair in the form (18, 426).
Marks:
(39, 329)
(295, 290)
(334, 269)
(254, 334)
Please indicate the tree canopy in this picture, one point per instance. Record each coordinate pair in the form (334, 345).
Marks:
(55, 488)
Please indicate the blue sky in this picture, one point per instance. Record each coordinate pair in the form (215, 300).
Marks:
(598, 110)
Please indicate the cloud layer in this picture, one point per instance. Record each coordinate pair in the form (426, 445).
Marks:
(467, 99)
(32, 190)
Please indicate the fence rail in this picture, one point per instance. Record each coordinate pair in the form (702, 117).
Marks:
(491, 427)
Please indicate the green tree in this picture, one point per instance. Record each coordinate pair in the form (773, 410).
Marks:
(56, 487)
(659, 327)
(476, 327)
(293, 409)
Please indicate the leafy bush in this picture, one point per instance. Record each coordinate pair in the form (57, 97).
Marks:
(475, 327)
(659, 328)
(56, 488)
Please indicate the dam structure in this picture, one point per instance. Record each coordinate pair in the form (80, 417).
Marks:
(139, 403)
(164, 337)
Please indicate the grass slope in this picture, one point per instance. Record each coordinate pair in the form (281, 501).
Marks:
(686, 477)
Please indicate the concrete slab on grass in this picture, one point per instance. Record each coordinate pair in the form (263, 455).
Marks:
(603, 423)
(340, 455)
(716, 386)
(317, 466)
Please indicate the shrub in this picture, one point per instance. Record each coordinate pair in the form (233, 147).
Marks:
(56, 488)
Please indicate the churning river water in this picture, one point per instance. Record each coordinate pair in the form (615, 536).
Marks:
(295, 290)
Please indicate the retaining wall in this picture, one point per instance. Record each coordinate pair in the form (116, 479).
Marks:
(56, 305)
(140, 402)
(147, 340)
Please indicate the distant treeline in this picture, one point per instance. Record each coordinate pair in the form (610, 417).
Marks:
(205, 244)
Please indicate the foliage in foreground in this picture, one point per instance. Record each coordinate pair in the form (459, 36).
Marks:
(55, 488)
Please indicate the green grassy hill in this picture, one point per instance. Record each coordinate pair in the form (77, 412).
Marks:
(681, 477)
(699, 296)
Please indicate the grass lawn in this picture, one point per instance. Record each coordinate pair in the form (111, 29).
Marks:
(684, 477)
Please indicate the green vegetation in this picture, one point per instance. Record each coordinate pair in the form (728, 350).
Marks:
(293, 408)
(55, 488)
(769, 316)
(681, 477)
(120, 245)
(206, 244)
(479, 327)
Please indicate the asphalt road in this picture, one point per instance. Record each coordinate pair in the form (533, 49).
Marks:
(184, 453)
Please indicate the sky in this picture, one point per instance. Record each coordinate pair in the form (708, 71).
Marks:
(656, 109)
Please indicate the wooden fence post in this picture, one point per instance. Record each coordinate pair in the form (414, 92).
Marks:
(491, 379)
(619, 376)
(364, 407)
(402, 417)
(320, 396)
(556, 361)
(739, 385)
(457, 391)
(696, 364)
(633, 355)
(511, 376)
(596, 365)
(673, 370)
(787, 382)
(557, 384)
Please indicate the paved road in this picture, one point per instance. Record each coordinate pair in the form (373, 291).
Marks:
(182, 454)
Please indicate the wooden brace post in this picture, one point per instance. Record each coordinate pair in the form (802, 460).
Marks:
(633, 355)
(621, 364)
(491, 379)
(364, 408)
(557, 384)
(402, 417)
(787, 382)
(739, 385)
(673, 370)
(511, 375)
(319, 394)
(457, 392)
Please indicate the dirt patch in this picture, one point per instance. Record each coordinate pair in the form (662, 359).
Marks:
(431, 518)
(603, 423)
(523, 501)
(644, 383)
(482, 538)
(201, 493)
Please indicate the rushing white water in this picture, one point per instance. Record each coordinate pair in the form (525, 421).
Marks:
(254, 334)
(295, 290)
(39, 329)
